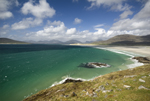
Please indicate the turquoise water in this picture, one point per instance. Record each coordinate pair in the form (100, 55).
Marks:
(27, 69)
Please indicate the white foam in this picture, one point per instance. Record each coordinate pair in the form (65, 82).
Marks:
(135, 64)
(67, 77)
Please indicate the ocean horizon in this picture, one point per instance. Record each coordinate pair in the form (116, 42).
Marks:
(27, 69)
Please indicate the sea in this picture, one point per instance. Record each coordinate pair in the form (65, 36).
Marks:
(29, 68)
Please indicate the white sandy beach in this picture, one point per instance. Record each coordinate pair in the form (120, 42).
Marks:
(140, 50)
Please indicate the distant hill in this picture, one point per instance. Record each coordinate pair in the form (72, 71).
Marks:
(126, 40)
(56, 42)
(50, 42)
(10, 41)
(72, 42)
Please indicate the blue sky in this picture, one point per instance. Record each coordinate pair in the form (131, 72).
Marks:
(83, 20)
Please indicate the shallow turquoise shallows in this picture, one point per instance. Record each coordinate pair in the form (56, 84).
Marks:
(27, 69)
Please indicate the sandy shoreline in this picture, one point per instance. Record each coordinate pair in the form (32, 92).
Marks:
(140, 50)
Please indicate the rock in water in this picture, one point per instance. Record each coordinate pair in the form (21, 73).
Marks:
(142, 59)
(94, 65)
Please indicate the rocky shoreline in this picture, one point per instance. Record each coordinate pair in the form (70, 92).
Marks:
(144, 60)
(131, 83)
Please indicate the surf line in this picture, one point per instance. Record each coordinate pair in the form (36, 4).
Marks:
(135, 62)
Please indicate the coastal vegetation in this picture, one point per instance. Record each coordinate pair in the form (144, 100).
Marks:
(127, 85)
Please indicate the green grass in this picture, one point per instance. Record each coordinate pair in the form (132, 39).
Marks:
(115, 80)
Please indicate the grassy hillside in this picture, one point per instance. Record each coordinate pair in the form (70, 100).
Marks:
(126, 85)
(126, 40)
(10, 41)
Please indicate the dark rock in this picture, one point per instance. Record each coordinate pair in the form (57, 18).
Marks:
(94, 65)
(71, 80)
(142, 59)
(73, 94)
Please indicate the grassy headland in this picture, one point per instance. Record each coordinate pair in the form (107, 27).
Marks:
(10, 41)
(127, 85)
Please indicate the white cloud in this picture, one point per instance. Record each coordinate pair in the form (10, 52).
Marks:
(4, 7)
(125, 14)
(139, 21)
(77, 21)
(99, 25)
(5, 15)
(5, 26)
(99, 31)
(116, 5)
(26, 23)
(71, 31)
(138, 25)
(55, 30)
(4, 30)
(41, 10)
(17, 3)
(62, 33)
(55, 23)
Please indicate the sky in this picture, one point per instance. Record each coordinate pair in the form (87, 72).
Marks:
(63, 20)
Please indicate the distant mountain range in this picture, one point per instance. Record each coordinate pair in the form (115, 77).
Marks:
(56, 42)
(126, 39)
(10, 41)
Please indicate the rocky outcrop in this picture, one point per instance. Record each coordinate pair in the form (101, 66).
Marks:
(71, 80)
(142, 87)
(141, 80)
(142, 59)
(94, 65)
